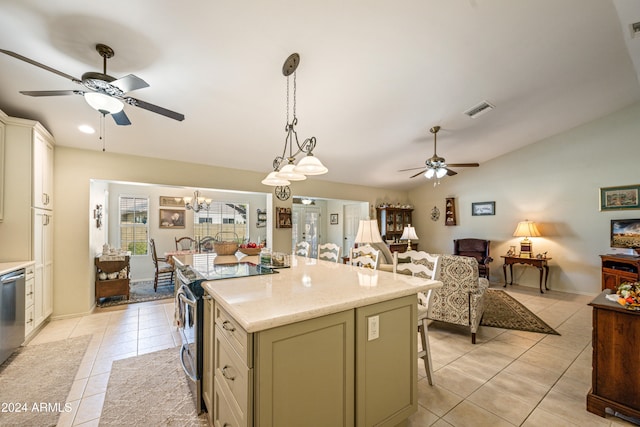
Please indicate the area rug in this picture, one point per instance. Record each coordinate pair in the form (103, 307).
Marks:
(35, 382)
(150, 390)
(501, 310)
(139, 292)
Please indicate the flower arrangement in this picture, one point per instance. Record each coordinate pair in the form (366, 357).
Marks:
(629, 295)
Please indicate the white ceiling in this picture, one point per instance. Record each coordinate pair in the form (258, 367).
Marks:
(374, 76)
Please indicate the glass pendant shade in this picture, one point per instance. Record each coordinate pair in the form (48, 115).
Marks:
(311, 165)
(274, 180)
(440, 172)
(289, 173)
(103, 103)
(430, 173)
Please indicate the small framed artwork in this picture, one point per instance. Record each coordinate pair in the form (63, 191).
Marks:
(483, 208)
(173, 202)
(619, 198)
(333, 219)
(172, 218)
(284, 217)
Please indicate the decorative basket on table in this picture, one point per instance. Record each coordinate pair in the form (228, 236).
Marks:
(250, 251)
(225, 247)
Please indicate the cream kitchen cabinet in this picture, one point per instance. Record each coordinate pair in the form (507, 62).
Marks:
(29, 315)
(207, 355)
(27, 227)
(324, 371)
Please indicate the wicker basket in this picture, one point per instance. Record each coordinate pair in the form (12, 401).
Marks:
(225, 248)
(250, 251)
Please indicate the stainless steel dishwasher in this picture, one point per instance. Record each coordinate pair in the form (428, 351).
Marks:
(11, 312)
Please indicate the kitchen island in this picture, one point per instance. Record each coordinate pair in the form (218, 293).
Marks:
(318, 343)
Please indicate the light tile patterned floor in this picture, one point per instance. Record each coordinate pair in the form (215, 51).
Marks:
(509, 378)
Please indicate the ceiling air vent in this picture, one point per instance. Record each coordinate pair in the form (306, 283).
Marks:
(479, 109)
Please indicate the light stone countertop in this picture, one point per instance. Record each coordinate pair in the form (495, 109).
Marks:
(8, 267)
(308, 289)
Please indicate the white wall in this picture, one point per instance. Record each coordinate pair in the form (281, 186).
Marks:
(555, 183)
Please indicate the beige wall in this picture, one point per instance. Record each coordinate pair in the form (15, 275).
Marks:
(74, 169)
(555, 183)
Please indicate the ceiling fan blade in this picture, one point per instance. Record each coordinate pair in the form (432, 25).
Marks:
(463, 165)
(451, 173)
(419, 173)
(51, 92)
(410, 169)
(121, 118)
(38, 64)
(154, 108)
(129, 83)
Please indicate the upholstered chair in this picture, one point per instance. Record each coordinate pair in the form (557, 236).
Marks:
(461, 298)
(476, 248)
(420, 264)
(329, 252)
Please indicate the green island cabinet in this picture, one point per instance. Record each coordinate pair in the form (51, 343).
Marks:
(318, 372)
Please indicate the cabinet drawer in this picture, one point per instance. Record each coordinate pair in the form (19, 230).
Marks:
(28, 292)
(238, 338)
(224, 415)
(233, 375)
(29, 323)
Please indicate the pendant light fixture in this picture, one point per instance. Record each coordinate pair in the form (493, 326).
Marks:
(309, 164)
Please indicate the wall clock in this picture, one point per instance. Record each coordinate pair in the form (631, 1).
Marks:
(435, 213)
(283, 192)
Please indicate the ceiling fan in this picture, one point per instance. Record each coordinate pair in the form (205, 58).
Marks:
(435, 166)
(104, 93)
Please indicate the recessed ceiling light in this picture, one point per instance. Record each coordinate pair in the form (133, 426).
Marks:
(86, 129)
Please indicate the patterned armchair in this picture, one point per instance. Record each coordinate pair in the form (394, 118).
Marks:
(461, 298)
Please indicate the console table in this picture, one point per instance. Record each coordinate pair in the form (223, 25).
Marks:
(615, 383)
(115, 271)
(539, 263)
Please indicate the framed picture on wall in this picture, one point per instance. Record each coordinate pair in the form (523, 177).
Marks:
(483, 208)
(172, 218)
(170, 201)
(283, 217)
(619, 198)
(333, 219)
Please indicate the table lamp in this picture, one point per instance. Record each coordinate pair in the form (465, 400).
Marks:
(368, 232)
(409, 233)
(526, 229)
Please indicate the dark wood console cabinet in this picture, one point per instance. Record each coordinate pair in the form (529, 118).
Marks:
(116, 286)
(391, 223)
(617, 269)
(615, 382)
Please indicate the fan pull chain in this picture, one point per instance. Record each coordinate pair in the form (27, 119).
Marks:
(102, 131)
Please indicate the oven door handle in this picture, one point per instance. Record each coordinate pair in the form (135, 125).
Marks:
(184, 349)
(188, 301)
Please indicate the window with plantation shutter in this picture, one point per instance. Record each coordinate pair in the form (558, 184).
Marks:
(222, 219)
(134, 224)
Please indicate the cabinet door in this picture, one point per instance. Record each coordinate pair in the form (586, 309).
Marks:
(207, 354)
(43, 269)
(305, 373)
(386, 367)
(42, 172)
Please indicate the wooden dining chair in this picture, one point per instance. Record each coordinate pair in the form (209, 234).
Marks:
(364, 256)
(185, 243)
(303, 249)
(164, 270)
(329, 252)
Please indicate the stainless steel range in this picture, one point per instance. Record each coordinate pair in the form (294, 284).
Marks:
(189, 303)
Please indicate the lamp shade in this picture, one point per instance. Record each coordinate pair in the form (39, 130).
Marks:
(103, 103)
(368, 232)
(289, 173)
(409, 233)
(311, 165)
(526, 229)
(273, 179)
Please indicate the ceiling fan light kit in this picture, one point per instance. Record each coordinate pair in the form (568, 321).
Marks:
(104, 93)
(309, 164)
(436, 166)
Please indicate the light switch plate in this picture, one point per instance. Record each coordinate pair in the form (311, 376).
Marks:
(374, 327)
